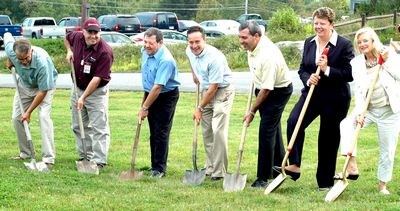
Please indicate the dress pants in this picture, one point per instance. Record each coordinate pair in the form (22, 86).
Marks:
(330, 113)
(215, 125)
(46, 124)
(270, 145)
(388, 125)
(160, 118)
(95, 124)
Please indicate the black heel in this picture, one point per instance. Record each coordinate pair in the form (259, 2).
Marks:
(293, 175)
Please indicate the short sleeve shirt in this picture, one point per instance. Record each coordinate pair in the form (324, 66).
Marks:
(90, 61)
(268, 66)
(210, 67)
(160, 69)
(40, 73)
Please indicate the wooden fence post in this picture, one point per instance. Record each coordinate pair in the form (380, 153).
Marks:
(363, 20)
(395, 18)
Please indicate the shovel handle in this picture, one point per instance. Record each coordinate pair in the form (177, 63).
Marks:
(362, 116)
(301, 116)
(196, 127)
(244, 129)
(135, 145)
(25, 123)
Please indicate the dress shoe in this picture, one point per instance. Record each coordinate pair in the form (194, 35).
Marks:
(259, 183)
(101, 165)
(293, 175)
(216, 178)
(157, 174)
(339, 176)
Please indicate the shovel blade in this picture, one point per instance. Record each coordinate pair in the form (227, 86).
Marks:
(336, 190)
(234, 182)
(39, 166)
(275, 184)
(88, 167)
(130, 175)
(194, 177)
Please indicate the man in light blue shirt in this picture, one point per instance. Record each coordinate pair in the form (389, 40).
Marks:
(160, 82)
(211, 70)
(36, 83)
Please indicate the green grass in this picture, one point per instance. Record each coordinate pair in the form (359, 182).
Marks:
(66, 189)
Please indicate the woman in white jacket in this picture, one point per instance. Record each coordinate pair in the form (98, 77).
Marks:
(384, 107)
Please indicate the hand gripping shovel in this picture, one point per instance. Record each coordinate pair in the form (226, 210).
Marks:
(195, 177)
(40, 166)
(132, 174)
(341, 185)
(83, 166)
(237, 182)
(281, 177)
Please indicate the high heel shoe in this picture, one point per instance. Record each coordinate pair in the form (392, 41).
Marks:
(293, 175)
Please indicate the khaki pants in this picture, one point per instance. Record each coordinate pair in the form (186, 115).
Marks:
(95, 124)
(46, 124)
(215, 125)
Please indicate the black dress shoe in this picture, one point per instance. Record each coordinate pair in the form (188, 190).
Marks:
(216, 178)
(157, 174)
(259, 183)
(293, 175)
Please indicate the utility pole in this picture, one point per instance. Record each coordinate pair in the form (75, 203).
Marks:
(246, 6)
(84, 10)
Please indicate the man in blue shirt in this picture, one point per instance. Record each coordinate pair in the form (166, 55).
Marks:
(160, 82)
(36, 83)
(211, 70)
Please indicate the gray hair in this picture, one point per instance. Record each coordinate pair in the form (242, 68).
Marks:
(253, 27)
(376, 43)
(154, 32)
(22, 46)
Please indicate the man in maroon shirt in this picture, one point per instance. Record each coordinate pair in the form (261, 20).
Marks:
(92, 58)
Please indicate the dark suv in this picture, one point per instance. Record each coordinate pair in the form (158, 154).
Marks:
(125, 24)
(161, 20)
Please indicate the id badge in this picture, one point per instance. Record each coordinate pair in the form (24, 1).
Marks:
(86, 68)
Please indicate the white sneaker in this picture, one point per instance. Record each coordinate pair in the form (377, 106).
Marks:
(384, 191)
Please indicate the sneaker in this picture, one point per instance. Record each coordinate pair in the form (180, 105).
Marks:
(157, 174)
(323, 189)
(259, 183)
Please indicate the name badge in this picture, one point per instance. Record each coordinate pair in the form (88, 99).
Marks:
(86, 68)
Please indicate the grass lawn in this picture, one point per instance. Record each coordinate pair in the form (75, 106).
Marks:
(66, 189)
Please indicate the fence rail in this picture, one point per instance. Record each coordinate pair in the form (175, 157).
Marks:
(364, 21)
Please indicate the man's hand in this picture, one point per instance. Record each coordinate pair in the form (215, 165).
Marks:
(26, 117)
(143, 113)
(70, 56)
(79, 104)
(248, 118)
(197, 115)
(9, 64)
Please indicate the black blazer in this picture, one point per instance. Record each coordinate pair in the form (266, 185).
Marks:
(335, 87)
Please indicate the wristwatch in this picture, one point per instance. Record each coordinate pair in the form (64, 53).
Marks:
(201, 109)
(144, 108)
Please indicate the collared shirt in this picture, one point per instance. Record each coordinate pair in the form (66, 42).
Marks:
(268, 66)
(210, 67)
(319, 50)
(97, 59)
(159, 69)
(40, 73)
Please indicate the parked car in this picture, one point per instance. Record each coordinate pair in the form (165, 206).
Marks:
(170, 37)
(71, 24)
(116, 39)
(212, 34)
(225, 26)
(7, 26)
(185, 24)
(41, 27)
(161, 20)
(125, 24)
(257, 17)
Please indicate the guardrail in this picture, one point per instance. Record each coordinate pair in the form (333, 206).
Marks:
(364, 21)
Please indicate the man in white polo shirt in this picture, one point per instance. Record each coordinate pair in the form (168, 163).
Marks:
(273, 89)
(210, 69)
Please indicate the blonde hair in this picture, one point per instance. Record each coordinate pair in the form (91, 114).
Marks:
(376, 43)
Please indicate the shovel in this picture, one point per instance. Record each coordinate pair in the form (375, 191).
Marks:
(281, 177)
(341, 185)
(40, 166)
(83, 166)
(237, 182)
(195, 177)
(132, 174)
